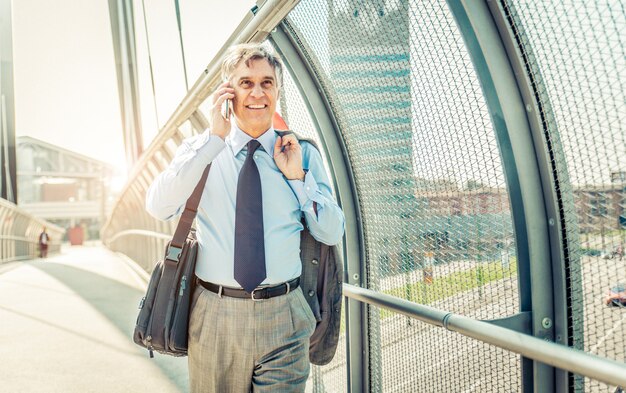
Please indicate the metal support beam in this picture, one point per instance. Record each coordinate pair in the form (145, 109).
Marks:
(555, 189)
(8, 168)
(521, 168)
(123, 33)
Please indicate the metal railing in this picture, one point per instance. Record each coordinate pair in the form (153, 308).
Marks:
(19, 234)
(560, 356)
(566, 358)
(142, 246)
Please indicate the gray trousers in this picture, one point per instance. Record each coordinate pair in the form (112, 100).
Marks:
(240, 345)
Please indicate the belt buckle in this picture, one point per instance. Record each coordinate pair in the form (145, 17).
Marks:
(252, 294)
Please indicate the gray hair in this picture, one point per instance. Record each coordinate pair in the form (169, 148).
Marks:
(249, 52)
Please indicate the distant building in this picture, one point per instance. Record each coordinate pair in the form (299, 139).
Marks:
(478, 218)
(601, 208)
(457, 202)
(371, 73)
(63, 187)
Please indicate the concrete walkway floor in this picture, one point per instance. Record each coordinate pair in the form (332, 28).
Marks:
(66, 325)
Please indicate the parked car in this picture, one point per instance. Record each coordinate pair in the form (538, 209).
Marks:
(616, 295)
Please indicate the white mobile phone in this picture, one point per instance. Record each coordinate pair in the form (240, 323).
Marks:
(226, 109)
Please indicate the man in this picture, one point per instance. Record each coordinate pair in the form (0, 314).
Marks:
(43, 243)
(260, 185)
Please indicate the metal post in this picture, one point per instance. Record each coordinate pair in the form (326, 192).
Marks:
(521, 167)
(123, 32)
(8, 168)
(557, 191)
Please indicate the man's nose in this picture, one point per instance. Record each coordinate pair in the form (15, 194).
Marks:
(257, 91)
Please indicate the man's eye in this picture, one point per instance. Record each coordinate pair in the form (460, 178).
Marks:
(268, 83)
(245, 83)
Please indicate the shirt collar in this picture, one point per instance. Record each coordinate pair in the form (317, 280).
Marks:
(238, 139)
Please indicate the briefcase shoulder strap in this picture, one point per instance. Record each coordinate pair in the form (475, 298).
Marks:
(189, 214)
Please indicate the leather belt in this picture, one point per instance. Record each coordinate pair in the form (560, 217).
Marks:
(260, 293)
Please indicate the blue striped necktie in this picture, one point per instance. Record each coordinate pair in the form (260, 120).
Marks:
(249, 235)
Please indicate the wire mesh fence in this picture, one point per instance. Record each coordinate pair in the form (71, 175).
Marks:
(427, 167)
(575, 53)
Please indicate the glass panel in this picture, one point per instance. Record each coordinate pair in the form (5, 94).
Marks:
(206, 27)
(204, 30)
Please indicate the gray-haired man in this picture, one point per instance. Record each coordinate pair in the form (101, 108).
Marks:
(249, 222)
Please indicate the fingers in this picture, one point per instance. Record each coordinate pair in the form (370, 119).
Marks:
(277, 146)
(290, 141)
(222, 95)
(287, 144)
(220, 122)
(223, 92)
(226, 96)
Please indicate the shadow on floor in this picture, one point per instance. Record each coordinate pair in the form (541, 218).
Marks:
(118, 302)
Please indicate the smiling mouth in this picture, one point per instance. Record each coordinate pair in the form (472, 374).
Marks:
(256, 106)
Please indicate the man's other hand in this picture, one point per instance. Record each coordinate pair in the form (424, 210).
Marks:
(220, 125)
(288, 157)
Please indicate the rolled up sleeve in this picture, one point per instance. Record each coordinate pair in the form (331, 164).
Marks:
(314, 193)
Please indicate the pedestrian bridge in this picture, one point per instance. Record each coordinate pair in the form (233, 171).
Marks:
(477, 150)
(66, 324)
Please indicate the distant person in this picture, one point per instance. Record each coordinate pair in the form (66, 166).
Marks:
(250, 324)
(43, 243)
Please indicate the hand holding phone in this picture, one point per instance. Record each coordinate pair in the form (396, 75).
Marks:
(222, 110)
(226, 109)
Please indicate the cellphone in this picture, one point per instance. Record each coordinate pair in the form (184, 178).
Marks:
(226, 109)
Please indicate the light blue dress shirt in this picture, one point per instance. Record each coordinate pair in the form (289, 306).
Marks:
(284, 203)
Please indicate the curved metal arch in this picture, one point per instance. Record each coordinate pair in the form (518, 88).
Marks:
(523, 170)
(556, 187)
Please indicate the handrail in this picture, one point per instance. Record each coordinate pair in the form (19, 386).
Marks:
(17, 238)
(592, 366)
(139, 232)
(19, 233)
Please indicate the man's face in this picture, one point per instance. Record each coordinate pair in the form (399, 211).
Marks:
(256, 92)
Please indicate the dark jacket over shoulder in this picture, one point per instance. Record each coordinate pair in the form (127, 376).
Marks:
(321, 281)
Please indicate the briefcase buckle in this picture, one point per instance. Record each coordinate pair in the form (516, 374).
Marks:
(173, 253)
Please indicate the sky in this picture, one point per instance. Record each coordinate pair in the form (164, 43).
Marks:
(64, 67)
(66, 87)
